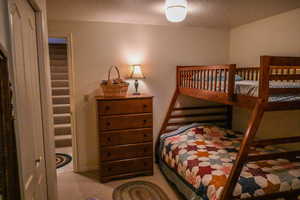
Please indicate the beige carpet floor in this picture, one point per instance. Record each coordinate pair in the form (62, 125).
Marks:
(85, 186)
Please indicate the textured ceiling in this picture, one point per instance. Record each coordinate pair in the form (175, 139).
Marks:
(209, 13)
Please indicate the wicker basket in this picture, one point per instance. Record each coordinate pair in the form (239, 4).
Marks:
(115, 87)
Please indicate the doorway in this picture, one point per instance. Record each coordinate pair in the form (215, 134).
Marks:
(62, 98)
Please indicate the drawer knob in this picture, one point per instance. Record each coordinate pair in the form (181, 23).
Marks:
(109, 169)
(145, 164)
(145, 106)
(108, 154)
(109, 139)
(107, 123)
(145, 135)
(107, 107)
(145, 150)
(145, 121)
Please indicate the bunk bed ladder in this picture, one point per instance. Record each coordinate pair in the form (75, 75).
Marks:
(169, 112)
(243, 156)
(215, 114)
(165, 123)
(254, 122)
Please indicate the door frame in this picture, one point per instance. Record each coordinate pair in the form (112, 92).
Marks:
(71, 75)
(39, 7)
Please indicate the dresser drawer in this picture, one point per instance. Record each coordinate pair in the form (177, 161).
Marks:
(128, 106)
(126, 137)
(125, 122)
(126, 166)
(126, 151)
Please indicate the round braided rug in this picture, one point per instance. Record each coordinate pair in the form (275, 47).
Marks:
(139, 190)
(62, 159)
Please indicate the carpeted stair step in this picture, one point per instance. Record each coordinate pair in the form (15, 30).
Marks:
(62, 118)
(60, 83)
(57, 51)
(62, 99)
(62, 129)
(58, 56)
(61, 108)
(59, 69)
(57, 45)
(60, 91)
(63, 141)
(59, 76)
(58, 62)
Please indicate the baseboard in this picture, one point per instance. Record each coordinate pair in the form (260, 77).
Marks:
(86, 168)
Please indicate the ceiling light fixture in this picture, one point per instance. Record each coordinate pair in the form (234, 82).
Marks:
(176, 10)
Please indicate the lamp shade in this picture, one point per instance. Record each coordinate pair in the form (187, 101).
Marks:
(176, 10)
(136, 72)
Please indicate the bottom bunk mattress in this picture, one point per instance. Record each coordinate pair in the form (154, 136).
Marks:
(197, 159)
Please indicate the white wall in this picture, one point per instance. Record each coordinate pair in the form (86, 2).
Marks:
(277, 36)
(97, 45)
(4, 34)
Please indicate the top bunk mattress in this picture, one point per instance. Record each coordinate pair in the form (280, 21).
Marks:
(251, 88)
(202, 157)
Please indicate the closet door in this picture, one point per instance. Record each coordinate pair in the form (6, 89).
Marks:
(28, 101)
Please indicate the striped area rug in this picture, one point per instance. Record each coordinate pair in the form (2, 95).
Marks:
(62, 160)
(139, 190)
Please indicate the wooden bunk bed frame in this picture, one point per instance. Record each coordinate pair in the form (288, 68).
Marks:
(196, 81)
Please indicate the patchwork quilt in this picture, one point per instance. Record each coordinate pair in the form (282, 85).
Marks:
(203, 155)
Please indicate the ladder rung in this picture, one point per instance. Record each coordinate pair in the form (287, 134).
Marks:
(276, 195)
(198, 115)
(198, 121)
(199, 107)
(169, 130)
(271, 156)
(266, 142)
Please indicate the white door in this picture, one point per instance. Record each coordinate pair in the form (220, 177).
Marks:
(28, 101)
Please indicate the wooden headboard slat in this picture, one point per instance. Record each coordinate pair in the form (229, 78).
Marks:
(284, 61)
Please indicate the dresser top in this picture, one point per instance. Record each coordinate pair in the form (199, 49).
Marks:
(129, 96)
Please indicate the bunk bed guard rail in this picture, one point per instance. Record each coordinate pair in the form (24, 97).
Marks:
(216, 81)
(276, 68)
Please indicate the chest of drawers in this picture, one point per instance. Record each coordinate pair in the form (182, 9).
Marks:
(125, 136)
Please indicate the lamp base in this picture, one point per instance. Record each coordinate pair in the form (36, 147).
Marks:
(136, 93)
(136, 85)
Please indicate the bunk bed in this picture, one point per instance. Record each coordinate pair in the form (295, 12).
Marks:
(208, 162)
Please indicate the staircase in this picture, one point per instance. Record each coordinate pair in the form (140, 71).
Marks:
(60, 94)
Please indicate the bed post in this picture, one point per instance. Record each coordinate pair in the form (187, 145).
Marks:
(231, 87)
(231, 81)
(264, 77)
(242, 156)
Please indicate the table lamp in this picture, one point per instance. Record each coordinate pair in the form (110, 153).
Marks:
(136, 73)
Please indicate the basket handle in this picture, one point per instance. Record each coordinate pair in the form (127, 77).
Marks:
(113, 67)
